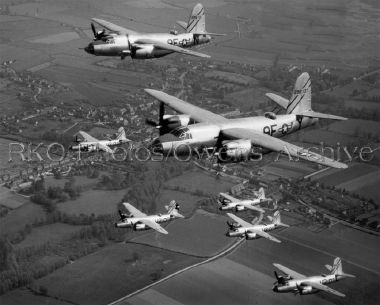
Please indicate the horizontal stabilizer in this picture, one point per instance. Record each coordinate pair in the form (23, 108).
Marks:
(319, 115)
(182, 24)
(281, 101)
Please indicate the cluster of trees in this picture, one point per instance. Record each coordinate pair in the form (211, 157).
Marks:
(144, 192)
(209, 205)
(115, 181)
(49, 198)
(19, 267)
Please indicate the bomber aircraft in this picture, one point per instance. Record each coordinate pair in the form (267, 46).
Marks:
(299, 283)
(254, 230)
(197, 129)
(90, 144)
(228, 202)
(119, 41)
(140, 221)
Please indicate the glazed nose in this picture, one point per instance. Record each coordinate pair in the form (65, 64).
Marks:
(90, 48)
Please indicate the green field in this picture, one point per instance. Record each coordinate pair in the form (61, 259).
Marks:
(40, 235)
(202, 235)
(197, 180)
(17, 219)
(111, 273)
(355, 127)
(81, 181)
(24, 296)
(93, 202)
(352, 172)
(366, 185)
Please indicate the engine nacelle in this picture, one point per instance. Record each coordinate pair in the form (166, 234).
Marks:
(172, 121)
(139, 227)
(143, 52)
(270, 115)
(250, 235)
(306, 290)
(239, 208)
(235, 150)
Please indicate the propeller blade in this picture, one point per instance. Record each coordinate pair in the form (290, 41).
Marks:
(276, 275)
(162, 112)
(93, 30)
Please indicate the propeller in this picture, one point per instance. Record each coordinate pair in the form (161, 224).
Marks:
(122, 216)
(231, 225)
(280, 279)
(97, 34)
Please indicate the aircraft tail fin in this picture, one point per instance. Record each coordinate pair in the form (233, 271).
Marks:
(276, 219)
(121, 134)
(173, 209)
(337, 268)
(197, 20)
(300, 101)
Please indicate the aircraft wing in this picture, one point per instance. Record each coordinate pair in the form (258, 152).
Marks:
(230, 198)
(131, 209)
(153, 225)
(253, 207)
(240, 221)
(265, 235)
(170, 47)
(293, 274)
(105, 148)
(275, 144)
(113, 27)
(196, 113)
(87, 137)
(323, 287)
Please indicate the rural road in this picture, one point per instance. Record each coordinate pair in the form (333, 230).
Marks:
(215, 257)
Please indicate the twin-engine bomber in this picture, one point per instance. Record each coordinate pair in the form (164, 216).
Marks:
(229, 203)
(198, 129)
(140, 221)
(120, 41)
(299, 283)
(254, 230)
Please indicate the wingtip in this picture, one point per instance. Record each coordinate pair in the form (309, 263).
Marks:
(152, 92)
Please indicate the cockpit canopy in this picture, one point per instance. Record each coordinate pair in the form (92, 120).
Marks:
(183, 133)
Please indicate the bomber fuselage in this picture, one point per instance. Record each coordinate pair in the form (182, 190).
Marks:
(207, 134)
(115, 45)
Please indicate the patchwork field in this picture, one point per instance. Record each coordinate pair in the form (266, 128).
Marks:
(93, 202)
(40, 235)
(10, 199)
(201, 235)
(359, 178)
(213, 282)
(196, 181)
(112, 273)
(249, 269)
(23, 296)
(16, 219)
